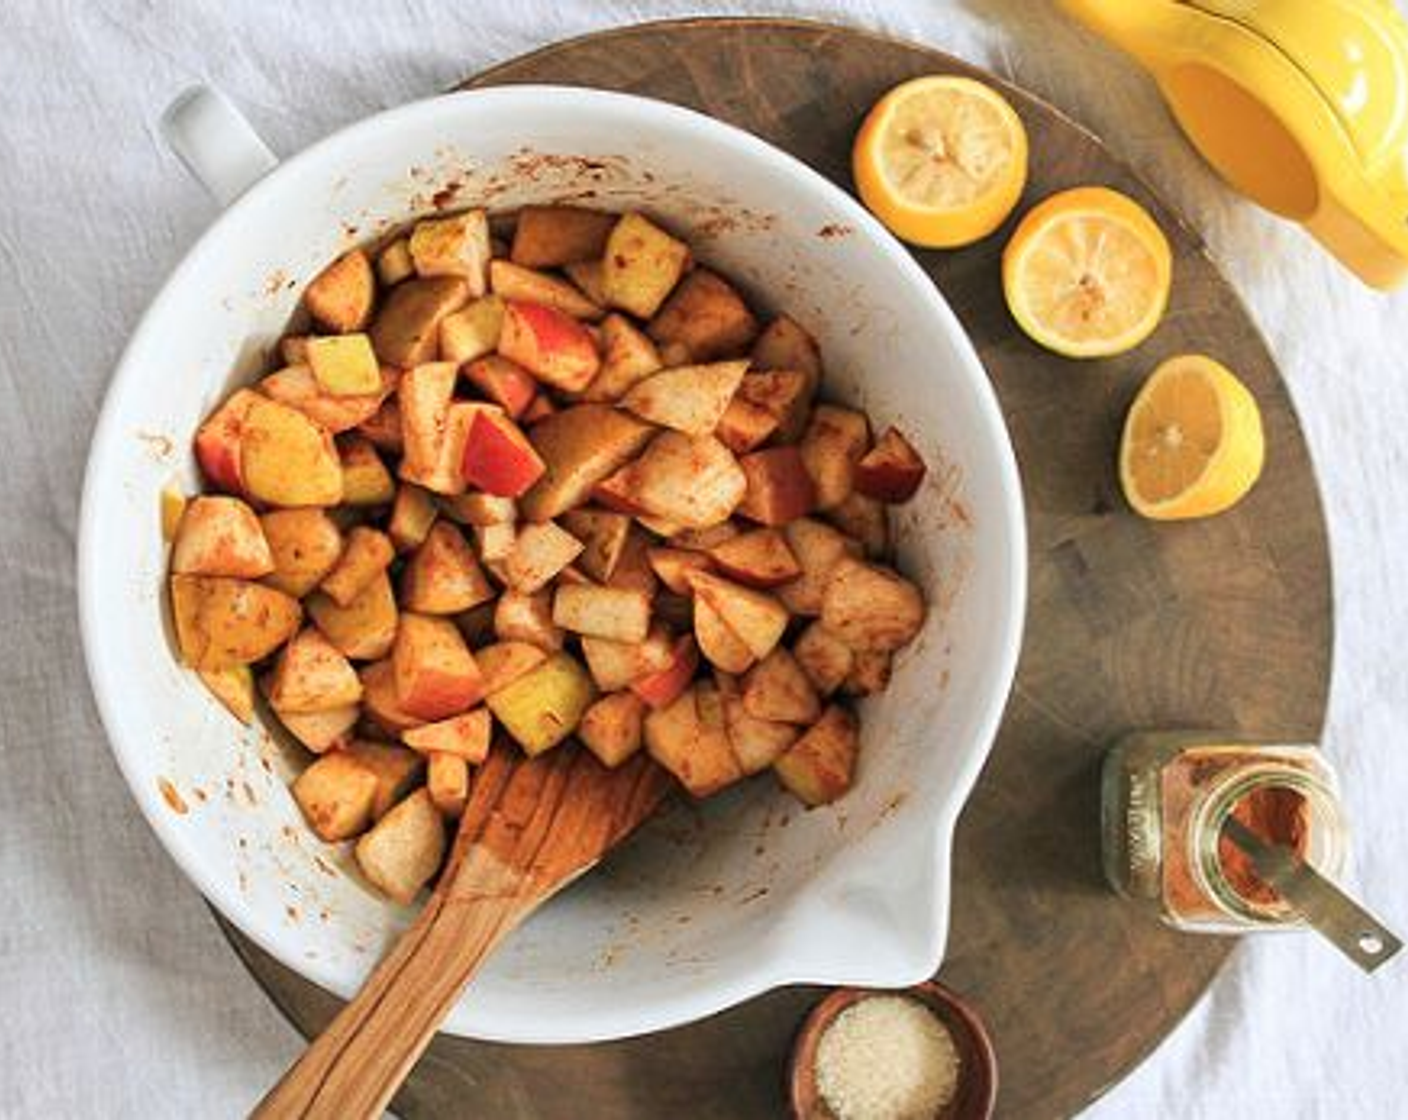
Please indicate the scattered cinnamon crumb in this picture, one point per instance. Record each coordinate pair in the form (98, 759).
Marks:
(835, 229)
(172, 796)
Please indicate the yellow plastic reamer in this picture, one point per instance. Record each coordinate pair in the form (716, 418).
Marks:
(1300, 104)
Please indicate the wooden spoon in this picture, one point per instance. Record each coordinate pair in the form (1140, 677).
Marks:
(530, 827)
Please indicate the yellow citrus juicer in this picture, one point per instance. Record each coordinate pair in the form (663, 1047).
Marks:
(1300, 104)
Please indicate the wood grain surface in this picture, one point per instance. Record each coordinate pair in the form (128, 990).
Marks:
(1223, 623)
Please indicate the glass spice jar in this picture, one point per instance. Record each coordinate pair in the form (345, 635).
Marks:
(1164, 800)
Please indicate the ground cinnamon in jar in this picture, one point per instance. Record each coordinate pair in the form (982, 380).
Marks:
(1165, 802)
(1278, 816)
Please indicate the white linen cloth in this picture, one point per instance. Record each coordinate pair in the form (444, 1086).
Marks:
(119, 996)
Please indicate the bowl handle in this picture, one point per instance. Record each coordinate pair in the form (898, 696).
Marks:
(216, 143)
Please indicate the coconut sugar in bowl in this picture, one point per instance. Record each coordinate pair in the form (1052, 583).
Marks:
(917, 1054)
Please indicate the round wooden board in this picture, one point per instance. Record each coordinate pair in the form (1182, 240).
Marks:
(1223, 623)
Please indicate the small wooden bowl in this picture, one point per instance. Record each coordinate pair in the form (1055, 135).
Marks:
(977, 1069)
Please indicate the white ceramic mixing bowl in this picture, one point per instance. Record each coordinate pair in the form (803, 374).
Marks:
(711, 904)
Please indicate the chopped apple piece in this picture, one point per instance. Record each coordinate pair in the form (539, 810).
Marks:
(870, 675)
(707, 538)
(466, 736)
(454, 246)
(380, 702)
(689, 399)
(473, 331)
(690, 739)
(442, 575)
(503, 663)
(615, 665)
(365, 479)
(506, 383)
(217, 443)
(539, 553)
(325, 731)
(891, 471)
(717, 642)
(761, 558)
(435, 673)
(745, 426)
(785, 344)
(521, 617)
(866, 520)
(173, 508)
(693, 480)
(234, 688)
(612, 727)
(818, 549)
(412, 514)
(383, 428)
(549, 344)
(825, 659)
(603, 535)
(498, 458)
(397, 771)
(406, 331)
(394, 264)
(602, 612)
(580, 446)
(405, 849)
(540, 408)
(477, 508)
(286, 459)
(336, 793)
(525, 285)
(425, 394)
(311, 675)
(628, 356)
(707, 316)
(777, 689)
(819, 766)
(590, 277)
(786, 394)
(220, 535)
(341, 296)
(447, 781)
(369, 552)
(779, 489)
(641, 265)
(344, 365)
(661, 687)
(834, 442)
(222, 622)
(495, 544)
(544, 706)
(363, 629)
(757, 743)
(293, 349)
(552, 236)
(871, 608)
(296, 387)
(305, 545)
(674, 565)
(757, 618)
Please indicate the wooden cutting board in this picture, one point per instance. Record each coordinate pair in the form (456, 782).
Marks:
(1224, 623)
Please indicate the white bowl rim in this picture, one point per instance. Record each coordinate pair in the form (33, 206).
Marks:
(684, 1004)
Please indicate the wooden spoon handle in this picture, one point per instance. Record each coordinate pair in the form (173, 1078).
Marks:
(355, 1066)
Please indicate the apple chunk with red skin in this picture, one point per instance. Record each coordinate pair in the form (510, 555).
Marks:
(218, 442)
(505, 383)
(498, 457)
(434, 672)
(891, 471)
(780, 489)
(549, 344)
(662, 688)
